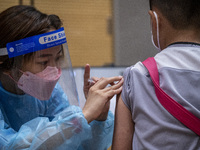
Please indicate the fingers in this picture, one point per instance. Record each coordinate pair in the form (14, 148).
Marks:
(86, 74)
(115, 86)
(103, 82)
(93, 80)
(113, 90)
(111, 93)
(87, 80)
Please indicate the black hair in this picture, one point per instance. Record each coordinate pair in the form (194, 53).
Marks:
(182, 14)
(18, 22)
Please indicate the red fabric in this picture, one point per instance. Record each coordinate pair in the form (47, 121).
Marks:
(173, 107)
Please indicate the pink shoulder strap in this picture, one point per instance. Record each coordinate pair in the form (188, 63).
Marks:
(173, 107)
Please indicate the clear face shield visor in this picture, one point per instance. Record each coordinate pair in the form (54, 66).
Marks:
(41, 67)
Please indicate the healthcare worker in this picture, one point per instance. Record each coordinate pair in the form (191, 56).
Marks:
(37, 88)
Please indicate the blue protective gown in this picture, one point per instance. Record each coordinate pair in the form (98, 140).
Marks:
(28, 123)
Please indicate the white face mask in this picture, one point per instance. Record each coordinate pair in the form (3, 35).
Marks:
(157, 47)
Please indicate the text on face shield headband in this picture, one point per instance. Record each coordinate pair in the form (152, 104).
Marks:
(36, 43)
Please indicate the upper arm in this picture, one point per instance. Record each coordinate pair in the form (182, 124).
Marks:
(124, 127)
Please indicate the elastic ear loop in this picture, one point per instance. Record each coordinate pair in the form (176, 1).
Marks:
(157, 29)
(14, 79)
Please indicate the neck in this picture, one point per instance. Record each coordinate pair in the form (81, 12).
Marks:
(189, 35)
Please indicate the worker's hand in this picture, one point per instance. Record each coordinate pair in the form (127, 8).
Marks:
(104, 114)
(99, 96)
(88, 84)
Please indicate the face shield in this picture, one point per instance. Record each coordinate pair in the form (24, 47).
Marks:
(40, 67)
(37, 86)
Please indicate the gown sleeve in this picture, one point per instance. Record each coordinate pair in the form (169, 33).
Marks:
(68, 129)
(102, 133)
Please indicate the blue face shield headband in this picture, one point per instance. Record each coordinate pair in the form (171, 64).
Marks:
(34, 43)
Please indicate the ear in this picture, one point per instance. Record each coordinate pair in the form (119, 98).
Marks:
(153, 20)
